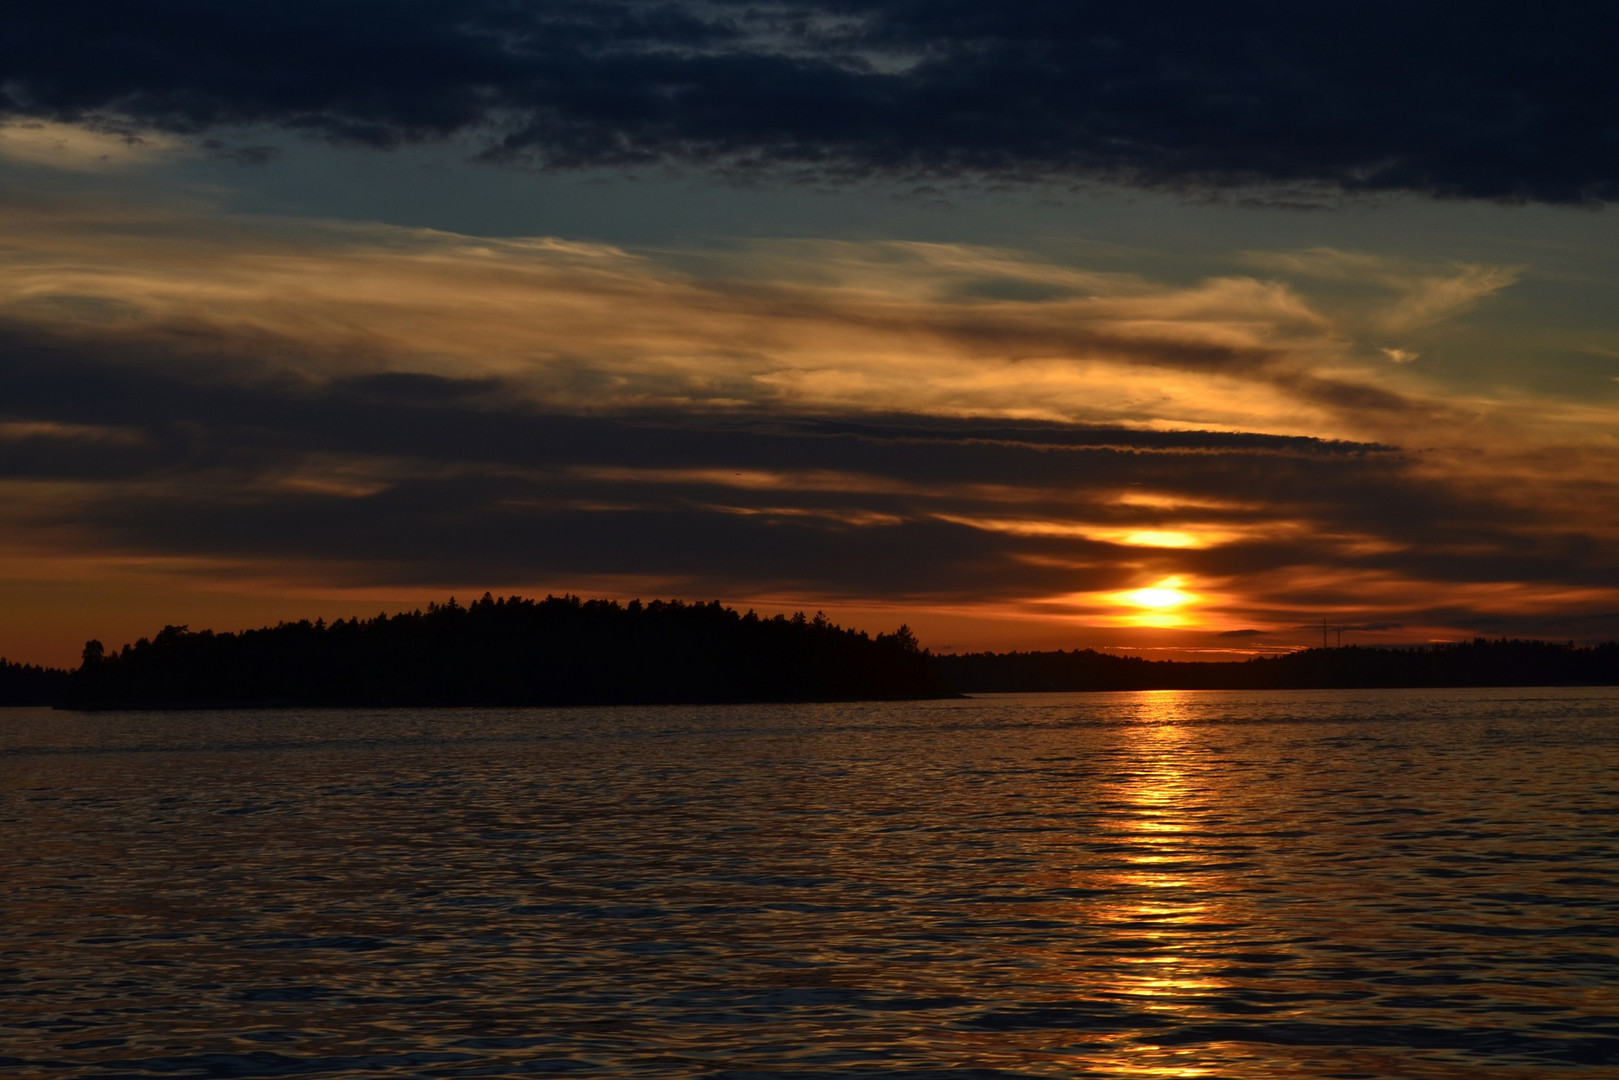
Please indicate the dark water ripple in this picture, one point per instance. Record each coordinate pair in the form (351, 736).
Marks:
(1367, 884)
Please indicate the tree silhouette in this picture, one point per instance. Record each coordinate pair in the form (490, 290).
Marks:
(512, 651)
(29, 684)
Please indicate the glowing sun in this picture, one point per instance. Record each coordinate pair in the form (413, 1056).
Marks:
(1160, 604)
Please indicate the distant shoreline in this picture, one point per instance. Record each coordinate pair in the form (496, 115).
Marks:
(1479, 663)
(564, 651)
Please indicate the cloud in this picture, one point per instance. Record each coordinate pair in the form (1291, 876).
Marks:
(1431, 299)
(390, 480)
(446, 482)
(954, 428)
(790, 325)
(1409, 295)
(82, 149)
(1374, 97)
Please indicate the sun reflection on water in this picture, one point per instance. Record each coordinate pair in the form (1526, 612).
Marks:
(1159, 888)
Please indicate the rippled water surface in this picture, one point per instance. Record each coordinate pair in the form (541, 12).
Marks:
(1301, 884)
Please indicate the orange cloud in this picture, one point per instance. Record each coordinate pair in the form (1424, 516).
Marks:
(805, 325)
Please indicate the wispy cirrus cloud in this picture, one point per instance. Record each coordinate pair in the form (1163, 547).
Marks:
(1406, 295)
(802, 325)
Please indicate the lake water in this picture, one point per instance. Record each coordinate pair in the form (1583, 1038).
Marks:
(1176, 884)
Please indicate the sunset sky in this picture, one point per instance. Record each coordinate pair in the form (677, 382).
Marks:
(1172, 328)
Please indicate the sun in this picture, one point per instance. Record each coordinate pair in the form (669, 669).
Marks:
(1160, 604)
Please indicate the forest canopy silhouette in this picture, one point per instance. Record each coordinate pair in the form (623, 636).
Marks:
(512, 651)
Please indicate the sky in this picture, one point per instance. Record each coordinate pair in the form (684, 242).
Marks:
(1178, 329)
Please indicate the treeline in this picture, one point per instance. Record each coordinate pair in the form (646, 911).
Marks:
(568, 651)
(510, 651)
(1479, 662)
(29, 684)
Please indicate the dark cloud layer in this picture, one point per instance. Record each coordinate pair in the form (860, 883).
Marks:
(1487, 101)
(419, 479)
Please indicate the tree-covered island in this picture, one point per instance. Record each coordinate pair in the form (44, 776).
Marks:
(511, 651)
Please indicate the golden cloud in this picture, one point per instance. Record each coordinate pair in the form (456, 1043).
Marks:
(942, 329)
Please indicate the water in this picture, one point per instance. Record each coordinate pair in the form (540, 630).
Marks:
(1299, 884)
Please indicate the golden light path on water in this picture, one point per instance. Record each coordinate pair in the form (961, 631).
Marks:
(1162, 873)
(1161, 879)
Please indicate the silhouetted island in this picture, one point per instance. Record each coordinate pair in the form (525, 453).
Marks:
(568, 651)
(511, 651)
